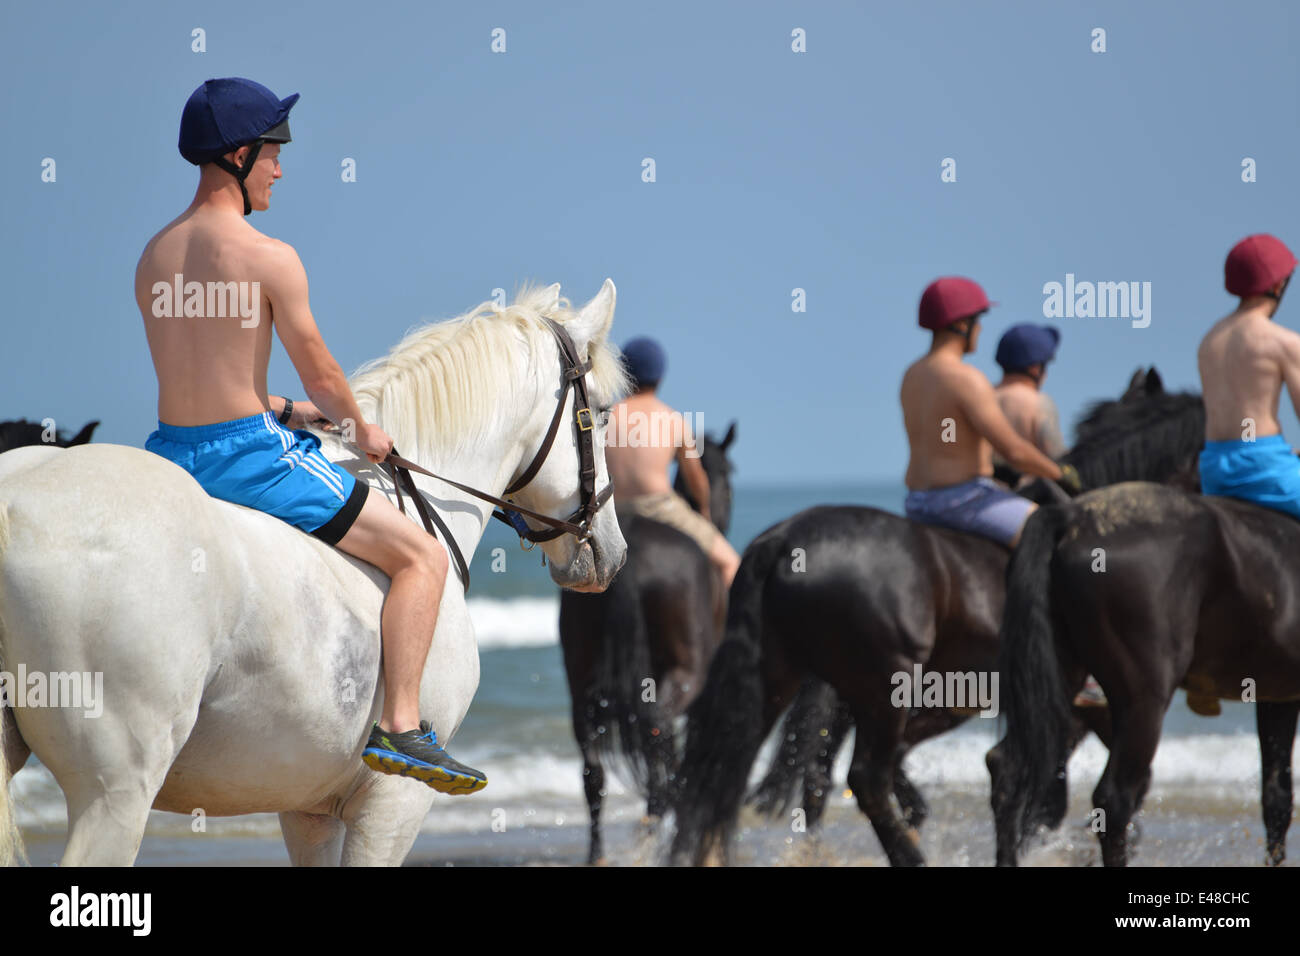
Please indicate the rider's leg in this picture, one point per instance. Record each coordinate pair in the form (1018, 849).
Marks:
(417, 564)
(724, 556)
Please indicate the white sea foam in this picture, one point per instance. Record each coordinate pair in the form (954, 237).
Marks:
(515, 622)
(1203, 762)
(543, 789)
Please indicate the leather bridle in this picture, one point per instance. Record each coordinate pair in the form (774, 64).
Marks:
(573, 373)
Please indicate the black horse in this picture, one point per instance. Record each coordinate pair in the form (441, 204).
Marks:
(636, 654)
(818, 722)
(20, 432)
(1196, 592)
(854, 596)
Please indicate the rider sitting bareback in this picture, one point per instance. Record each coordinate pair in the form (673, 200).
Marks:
(954, 424)
(647, 436)
(217, 421)
(1244, 360)
(1023, 353)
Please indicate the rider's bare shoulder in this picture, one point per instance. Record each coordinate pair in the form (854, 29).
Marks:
(1287, 343)
(278, 263)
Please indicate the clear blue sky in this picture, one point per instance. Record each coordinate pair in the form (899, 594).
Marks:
(776, 170)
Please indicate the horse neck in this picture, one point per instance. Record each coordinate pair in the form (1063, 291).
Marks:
(486, 465)
(1161, 450)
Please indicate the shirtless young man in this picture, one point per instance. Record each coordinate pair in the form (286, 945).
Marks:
(217, 421)
(656, 434)
(1023, 353)
(1244, 361)
(954, 423)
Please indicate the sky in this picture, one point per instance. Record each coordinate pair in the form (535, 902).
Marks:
(775, 171)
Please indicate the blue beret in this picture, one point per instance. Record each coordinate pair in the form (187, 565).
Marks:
(645, 361)
(1025, 345)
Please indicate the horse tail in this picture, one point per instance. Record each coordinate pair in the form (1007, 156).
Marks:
(803, 739)
(1028, 764)
(725, 724)
(622, 661)
(11, 840)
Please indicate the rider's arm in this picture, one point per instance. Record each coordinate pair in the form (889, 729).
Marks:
(697, 481)
(322, 379)
(301, 415)
(980, 403)
(1050, 439)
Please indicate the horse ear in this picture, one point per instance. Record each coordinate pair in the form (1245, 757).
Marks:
(83, 436)
(1135, 386)
(728, 438)
(595, 318)
(1154, 384)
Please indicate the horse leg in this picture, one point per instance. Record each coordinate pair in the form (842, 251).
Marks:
(111, 775)
(872, 778)
(383, 819)
(312, 839)
(593, 778)
(1276, 723)
(930, 722)
(1126, 778)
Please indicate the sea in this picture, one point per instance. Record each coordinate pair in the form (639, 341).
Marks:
(1203, 806)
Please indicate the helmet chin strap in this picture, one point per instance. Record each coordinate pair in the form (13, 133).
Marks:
(970, 328)
(242, 174)
(1277, 296)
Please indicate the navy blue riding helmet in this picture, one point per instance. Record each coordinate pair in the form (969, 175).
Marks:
(223, 115)
(1024, 345)
(645, 361)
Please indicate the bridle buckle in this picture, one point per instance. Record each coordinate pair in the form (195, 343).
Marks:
(589, 424)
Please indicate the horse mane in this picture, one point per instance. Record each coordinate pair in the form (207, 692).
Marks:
(1148, 438)
(441, 376)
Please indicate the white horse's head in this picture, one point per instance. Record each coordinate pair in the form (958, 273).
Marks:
(477, 395)
(556, 488)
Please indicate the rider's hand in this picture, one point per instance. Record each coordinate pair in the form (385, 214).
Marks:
(1070, 480)
(374, 441)
(305, 414)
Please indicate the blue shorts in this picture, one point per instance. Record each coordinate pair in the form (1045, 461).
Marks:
(979, 506)
(259, 463)
(1264, 471)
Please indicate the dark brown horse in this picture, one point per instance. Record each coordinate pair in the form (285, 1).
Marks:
(20, 432)
(1150, 589)
(636, 654)
(856, 596)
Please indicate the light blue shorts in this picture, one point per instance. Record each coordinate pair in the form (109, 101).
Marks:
(1264, 471)
(979, 506)
(259, 463)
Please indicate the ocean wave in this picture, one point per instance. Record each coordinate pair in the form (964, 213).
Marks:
(543, 789)
(515, 622)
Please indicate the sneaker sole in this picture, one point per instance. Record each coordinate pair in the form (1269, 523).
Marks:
(385, 761)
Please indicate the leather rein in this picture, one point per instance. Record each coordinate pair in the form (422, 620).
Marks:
(572, 375)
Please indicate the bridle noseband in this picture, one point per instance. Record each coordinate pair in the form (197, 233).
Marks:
(573, 373)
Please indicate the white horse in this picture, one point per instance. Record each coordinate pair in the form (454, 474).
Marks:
(241, 657)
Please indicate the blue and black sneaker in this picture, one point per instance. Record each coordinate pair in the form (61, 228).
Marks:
(416, 753)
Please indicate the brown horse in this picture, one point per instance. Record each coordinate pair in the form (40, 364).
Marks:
(636, 654)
